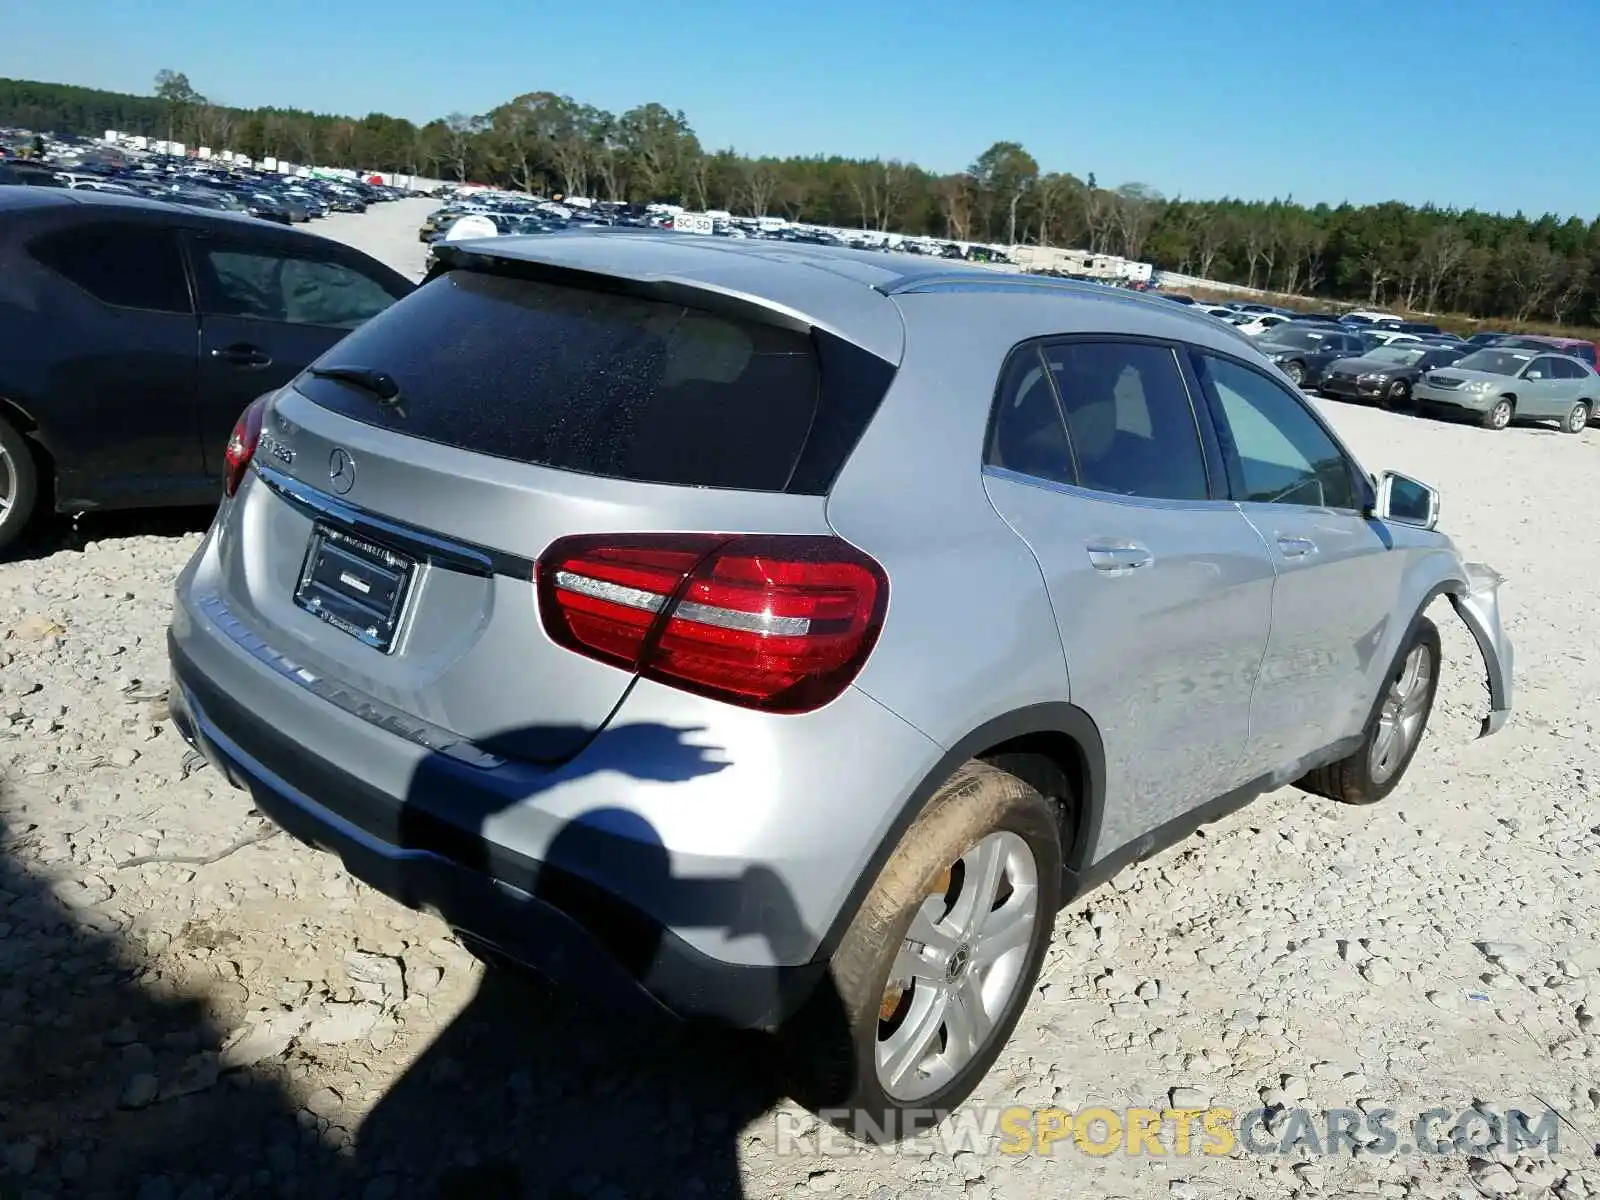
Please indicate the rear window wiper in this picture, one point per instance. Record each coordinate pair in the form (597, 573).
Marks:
(379, 383)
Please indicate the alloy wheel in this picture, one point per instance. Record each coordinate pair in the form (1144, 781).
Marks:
(1578, 418)
(958, 969)
(1500, 415)
(8, 483)
(1401, 716)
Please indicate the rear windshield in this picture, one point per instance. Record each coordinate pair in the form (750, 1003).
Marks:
(586, 381)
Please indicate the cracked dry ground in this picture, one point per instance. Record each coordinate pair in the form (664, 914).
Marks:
(260, 1025)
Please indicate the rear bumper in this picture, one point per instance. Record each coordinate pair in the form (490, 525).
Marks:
(570, 930)
(709, 852)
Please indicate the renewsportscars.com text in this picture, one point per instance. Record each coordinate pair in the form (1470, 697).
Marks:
(1179, 1133)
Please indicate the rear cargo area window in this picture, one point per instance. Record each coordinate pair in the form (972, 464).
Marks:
(586, 381)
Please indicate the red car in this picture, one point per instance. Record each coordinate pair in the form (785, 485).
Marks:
(1576, 347)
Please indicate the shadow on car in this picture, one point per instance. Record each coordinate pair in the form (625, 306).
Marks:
(110, 1085)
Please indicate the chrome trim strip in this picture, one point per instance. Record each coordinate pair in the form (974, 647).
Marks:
(408, 539)
(614, 593)
(746, 622)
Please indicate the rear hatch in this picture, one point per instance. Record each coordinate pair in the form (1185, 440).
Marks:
(388, 550)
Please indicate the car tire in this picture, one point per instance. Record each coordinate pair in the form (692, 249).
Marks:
(19, 484)
(1296, 371)
(1396, 395)
(1394, 730)
(1499, 414)
(851, 1053)
(1578, 419)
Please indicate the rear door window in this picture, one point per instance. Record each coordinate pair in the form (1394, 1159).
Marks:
(589, 381)
(125, 265)
(269, 285)
(1129, 419)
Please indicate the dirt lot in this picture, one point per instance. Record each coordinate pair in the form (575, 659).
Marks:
(191, 1006)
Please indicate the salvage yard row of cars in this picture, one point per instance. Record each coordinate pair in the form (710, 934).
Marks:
(705, 715)
(210, 185)
(1493, 378)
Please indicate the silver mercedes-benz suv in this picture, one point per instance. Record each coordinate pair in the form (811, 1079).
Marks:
(779, 636)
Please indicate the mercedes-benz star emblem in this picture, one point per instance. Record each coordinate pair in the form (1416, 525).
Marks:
(341, 471)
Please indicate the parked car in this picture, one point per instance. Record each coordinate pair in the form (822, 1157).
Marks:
(1487, 338)
(267, 208)
(1303, 350)
(138, 330)
(789, 766)
(1384, 375)
(1576, 347)
(1501, 384)
(27, 174)
(1372, 337)
(1399, 326)
(1256, 324)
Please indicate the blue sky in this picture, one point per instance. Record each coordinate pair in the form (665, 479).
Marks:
(1415, 100)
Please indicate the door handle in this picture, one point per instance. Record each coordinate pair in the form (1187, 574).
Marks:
(1297, 547)
(243, 355)
(1119, 557)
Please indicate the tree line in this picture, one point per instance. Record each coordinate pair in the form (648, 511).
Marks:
(1491, 266)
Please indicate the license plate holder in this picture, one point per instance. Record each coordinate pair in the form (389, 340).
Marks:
(357, 586)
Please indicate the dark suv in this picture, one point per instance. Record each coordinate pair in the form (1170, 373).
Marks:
(137, 331)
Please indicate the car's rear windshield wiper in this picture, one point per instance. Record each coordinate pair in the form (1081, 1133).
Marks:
(380, 384)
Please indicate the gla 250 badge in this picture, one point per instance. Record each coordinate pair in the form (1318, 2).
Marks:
(276, 448)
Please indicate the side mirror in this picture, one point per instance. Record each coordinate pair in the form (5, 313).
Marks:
(1407, 501)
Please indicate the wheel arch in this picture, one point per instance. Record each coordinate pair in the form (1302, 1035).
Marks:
(39, 446)
(1048, 745)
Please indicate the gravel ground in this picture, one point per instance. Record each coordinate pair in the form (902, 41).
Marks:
(191, 1006)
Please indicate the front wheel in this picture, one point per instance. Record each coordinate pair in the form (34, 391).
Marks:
(938, 964)
(1296, 372)
(1394, 730)
(1578, 419)
(1395, 395)
(1499, 415)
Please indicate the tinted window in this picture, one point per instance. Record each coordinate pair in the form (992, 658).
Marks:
(1544, 368)
(1129, 419)
(130, 266)
(1284, 456)
(594, 382)
(1027, 434)
(249, 282)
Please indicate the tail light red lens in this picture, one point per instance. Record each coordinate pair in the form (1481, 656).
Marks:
(242, 445)
(775, 622)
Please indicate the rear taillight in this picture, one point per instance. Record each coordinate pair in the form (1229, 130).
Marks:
(242, 445)
(776, 622)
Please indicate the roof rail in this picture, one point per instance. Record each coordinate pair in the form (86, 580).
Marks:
(979, 280)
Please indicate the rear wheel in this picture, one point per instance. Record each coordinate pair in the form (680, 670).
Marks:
(19, 484)
(937, 967)
(1499, 414)
(1394, 730)
(1577, 419)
